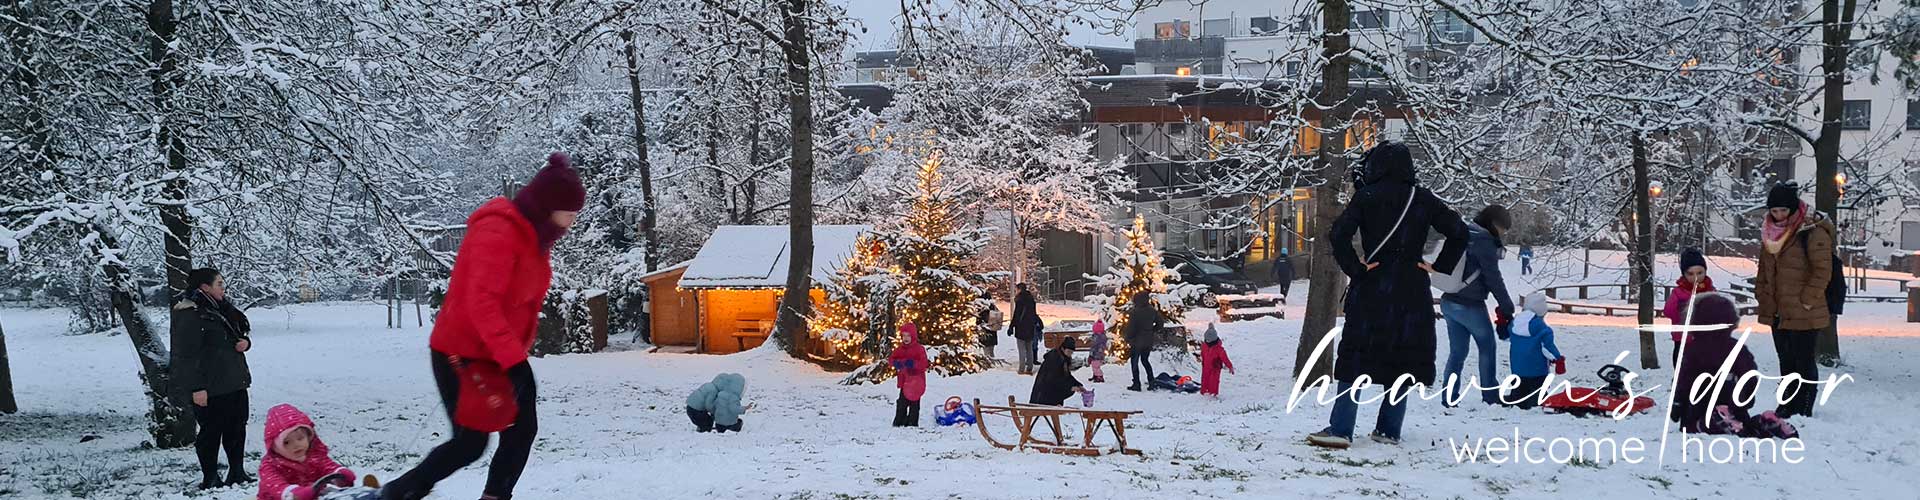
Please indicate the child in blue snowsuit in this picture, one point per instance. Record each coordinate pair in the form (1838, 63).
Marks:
(1531, 350)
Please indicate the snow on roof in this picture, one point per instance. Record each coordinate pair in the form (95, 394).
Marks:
(665, 270)
(756, 256)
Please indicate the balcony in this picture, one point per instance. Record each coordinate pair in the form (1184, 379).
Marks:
(1170, 50)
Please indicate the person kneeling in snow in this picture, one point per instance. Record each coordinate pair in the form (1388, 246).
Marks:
(1054, 382)
(1705, 353)
(1532, 350)
(716, 405)
(295, 458)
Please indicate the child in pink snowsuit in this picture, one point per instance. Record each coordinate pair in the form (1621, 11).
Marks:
(1097, 349)
(909, 362)
(1213, 357)
(295, 457)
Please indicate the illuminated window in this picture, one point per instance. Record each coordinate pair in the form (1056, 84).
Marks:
(1172, 29)
(1184, 71)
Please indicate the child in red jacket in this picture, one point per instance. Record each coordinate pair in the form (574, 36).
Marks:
(295, 458)
(1213, 357)
(909, 362)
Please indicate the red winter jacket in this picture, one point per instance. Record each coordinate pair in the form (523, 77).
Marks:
(1680, 300)
(282, 478)
(1213, 357)
(500, 279)
(909, 362)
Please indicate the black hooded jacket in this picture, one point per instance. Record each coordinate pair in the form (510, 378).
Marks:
(1389, 328)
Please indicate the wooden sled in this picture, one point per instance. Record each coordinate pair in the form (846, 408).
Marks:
(1027, 416)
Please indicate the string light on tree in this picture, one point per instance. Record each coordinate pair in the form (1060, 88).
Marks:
(1138, 269)
(927, 255)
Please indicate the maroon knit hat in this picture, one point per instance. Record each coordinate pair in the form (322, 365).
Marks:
(556, 188)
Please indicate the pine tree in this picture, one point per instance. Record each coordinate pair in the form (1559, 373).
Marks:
(847, 319)
(930, 253)
(1137, 269)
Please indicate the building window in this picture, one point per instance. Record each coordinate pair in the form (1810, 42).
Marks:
(1172, 29)
(1909, 235)
(1293, 69)
(1303, 24)
(1368, 19)
(1366, 71)
(1217, 28)
(1184, 71)
(1856, 115)
(1913, 115)
(1449, 28)
(1265, 26)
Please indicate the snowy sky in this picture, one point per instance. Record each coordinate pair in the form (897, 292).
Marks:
(878, 17)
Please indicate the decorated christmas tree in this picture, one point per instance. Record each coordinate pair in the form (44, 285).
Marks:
(850, 320)
(1135, 269)
(928, 280)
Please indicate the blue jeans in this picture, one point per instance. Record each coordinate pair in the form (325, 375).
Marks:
(1345, 410)
(1469, 321)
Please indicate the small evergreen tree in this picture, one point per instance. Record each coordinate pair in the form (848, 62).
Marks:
(1137, 269)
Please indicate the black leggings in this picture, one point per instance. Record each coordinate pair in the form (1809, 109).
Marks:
(1796, 351)
(906, 413)
(1139, 357)
(466, 445)
(223, 421)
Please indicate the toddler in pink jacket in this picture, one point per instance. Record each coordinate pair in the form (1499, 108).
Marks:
(295, 458)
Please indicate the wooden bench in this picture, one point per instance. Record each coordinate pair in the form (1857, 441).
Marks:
(749, 329)
(1249, 307)
(1028, 416)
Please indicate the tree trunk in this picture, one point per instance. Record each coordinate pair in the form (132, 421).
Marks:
(1836, 27)
(165, 63)
(7, 404)
(1640, 258)
(1326, 282)
(796, 305)
(647, 219)
(750, 185)
(170, 424)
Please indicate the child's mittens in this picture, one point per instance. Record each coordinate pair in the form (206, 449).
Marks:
(1560, 366)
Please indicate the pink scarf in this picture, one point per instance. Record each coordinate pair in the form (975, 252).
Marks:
(1774, 233)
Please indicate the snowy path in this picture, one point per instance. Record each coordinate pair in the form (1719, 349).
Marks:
(612, 425)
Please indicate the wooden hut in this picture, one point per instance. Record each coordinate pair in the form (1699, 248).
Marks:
(725, 300)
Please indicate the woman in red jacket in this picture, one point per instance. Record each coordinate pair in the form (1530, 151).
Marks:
(500, 279)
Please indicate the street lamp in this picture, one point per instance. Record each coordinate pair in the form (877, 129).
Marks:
(1654, 189)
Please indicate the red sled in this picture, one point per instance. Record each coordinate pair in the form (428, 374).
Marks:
(1584, 401)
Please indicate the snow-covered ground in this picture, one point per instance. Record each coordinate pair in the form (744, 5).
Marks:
(612, 424)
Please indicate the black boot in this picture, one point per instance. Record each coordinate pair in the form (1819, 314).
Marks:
(237, 475)
(210, 479)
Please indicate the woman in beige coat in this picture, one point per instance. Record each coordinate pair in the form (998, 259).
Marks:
(1796, 262)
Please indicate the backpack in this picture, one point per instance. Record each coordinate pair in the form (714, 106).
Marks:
(1454, 282)
(1836, 281)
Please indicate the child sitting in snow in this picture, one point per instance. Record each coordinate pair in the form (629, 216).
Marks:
(1705, 353)
(716, 405)
(1213, 357)
(1532, 350)
(1097, 350)
(296, 458)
